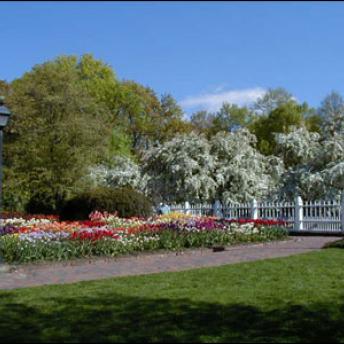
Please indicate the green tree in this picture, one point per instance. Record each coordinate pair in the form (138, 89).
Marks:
(100, 81)
(4, 88)
(231, 117)
(314, 122)
(147, 119)
(57, 130)
(120, 144)
(139, 112)
(172, 121)
(272, 99)
(281, 120)
(202, 122)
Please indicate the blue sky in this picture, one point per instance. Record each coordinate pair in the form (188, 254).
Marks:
(201, 52)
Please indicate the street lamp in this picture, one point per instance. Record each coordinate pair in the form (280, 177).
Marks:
(4, 117)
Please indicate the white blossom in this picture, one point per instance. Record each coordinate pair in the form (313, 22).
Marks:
(242, 173)
(123, 173)
(181, 169)
(316, 164)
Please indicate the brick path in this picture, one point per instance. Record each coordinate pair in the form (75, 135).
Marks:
(59, 273)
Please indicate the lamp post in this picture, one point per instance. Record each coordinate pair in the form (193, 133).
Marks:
(4, 117)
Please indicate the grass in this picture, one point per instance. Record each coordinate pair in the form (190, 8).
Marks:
(295, 299)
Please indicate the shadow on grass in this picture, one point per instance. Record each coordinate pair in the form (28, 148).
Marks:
(121, 319)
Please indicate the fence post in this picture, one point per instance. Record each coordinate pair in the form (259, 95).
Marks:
(298, 223)
(254, 210)
(187, 208)
(342, 211)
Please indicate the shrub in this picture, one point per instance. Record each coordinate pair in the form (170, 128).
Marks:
(335, 244)
(125, 201)
(44, 203)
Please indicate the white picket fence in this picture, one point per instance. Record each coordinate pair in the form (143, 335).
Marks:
(302, 217)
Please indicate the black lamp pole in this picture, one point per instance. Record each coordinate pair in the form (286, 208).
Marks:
(4, 117)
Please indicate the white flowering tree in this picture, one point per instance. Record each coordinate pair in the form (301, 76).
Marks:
(181, 169)
(315, 164)
(333, 156)
(332, 112)
(242, 172)
(123, 172)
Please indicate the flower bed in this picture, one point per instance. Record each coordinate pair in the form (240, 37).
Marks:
(41, 239)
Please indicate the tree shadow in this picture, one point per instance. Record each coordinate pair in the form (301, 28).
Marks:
(116, 318)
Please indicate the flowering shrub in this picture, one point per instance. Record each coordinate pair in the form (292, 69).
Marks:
(104, 234)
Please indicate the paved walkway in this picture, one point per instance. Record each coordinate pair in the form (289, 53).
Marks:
(59, 273)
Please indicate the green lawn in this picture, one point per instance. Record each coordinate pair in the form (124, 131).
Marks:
(296, 299)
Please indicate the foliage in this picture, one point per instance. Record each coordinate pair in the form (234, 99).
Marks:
(336, 244)
(120, 145)
(100, 82)
(281, 120)
(228, 167)
(332, 113)
(181, 169)
(242, 173)
(127, 202)
(202, 122)
(271, 100)
(5, 88)
(139, 111)
(15, 190)
(298, 146)
(72, 116)
(122, 172)
(146, 118)
(172, 121)
(44, 202)
(62, 129)
(315, 165)
(231, 117)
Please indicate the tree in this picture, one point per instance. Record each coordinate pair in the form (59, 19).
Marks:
(231, 117)
(228, 167)
(314, 122)
(120, 145)
(172, 119)
(316, 169)
(57, 130)
(4, 88)
(100, 81)
(272, 99)
(242, 173)
(332, 113)
(170, 108)
(202, 122)
(139, 112)
(181, 169)
(281, 120)
(300, 146)
(123, 172)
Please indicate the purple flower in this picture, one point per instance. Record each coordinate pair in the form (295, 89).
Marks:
(8, 229)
